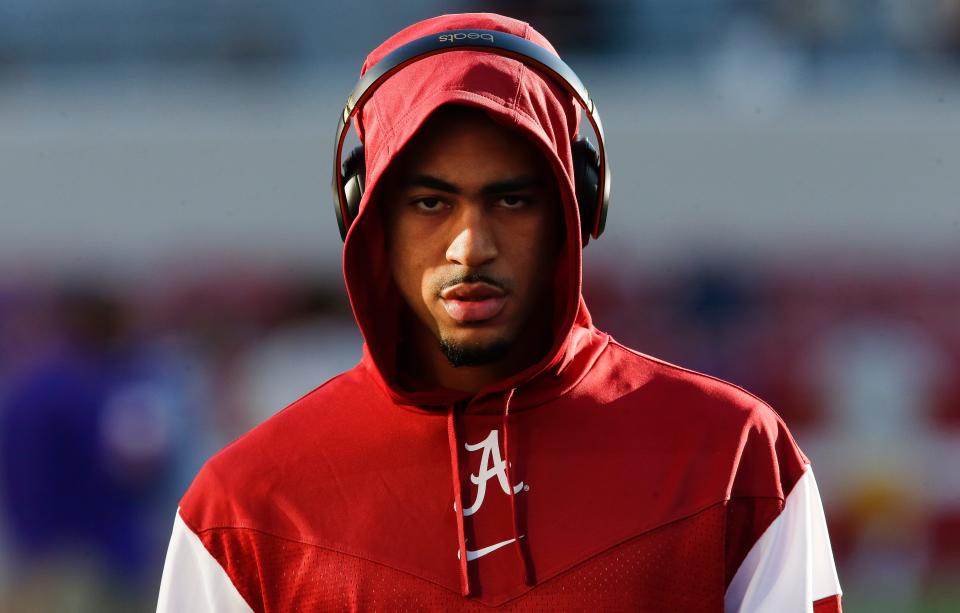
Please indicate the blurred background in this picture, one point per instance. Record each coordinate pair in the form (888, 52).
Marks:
(785, 214)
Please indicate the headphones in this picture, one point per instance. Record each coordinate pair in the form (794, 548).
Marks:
(591, 171)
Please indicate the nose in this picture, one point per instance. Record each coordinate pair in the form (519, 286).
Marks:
(473, 243)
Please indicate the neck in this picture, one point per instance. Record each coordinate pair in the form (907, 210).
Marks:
(430, 363)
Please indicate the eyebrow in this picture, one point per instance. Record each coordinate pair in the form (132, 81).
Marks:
(512, 184)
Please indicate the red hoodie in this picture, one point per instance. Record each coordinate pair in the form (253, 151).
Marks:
(598, 478)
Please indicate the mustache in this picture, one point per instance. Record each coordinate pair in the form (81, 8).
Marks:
(472, 277)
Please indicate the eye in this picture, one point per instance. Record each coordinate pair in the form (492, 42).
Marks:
(513, 201)
(428, 205)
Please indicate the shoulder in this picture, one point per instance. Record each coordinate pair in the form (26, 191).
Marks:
(708, 418)
(627, 372)
(266, 462)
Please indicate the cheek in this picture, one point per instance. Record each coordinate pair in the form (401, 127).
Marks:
(402, 261)
(533, 258)
(410, 262)
(544, 240)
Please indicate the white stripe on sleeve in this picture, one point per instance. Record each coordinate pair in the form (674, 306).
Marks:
(193, 580)
(791, 564)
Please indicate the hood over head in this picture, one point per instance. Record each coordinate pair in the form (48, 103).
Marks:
(518, 97)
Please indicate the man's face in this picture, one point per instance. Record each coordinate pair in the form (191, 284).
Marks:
(473, 228)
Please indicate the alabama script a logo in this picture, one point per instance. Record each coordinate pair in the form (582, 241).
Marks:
(491, 465)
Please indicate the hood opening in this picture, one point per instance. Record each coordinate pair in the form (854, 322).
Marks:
(379, 307)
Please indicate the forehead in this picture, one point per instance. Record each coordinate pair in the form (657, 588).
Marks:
(465, 143)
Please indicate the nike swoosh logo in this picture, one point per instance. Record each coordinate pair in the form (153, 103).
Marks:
(479, 553)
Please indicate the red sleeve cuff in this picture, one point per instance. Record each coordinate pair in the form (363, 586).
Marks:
(830, 604)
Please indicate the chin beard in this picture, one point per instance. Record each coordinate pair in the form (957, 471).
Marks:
(460, 354)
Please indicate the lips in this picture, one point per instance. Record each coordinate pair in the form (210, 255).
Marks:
(473, 302)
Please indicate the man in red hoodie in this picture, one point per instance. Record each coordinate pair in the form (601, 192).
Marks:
(493, 448)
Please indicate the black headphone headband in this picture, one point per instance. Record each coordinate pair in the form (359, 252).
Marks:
(488, 41)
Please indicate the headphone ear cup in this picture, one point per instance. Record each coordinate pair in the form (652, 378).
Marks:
(586, 173)
(354, 174)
